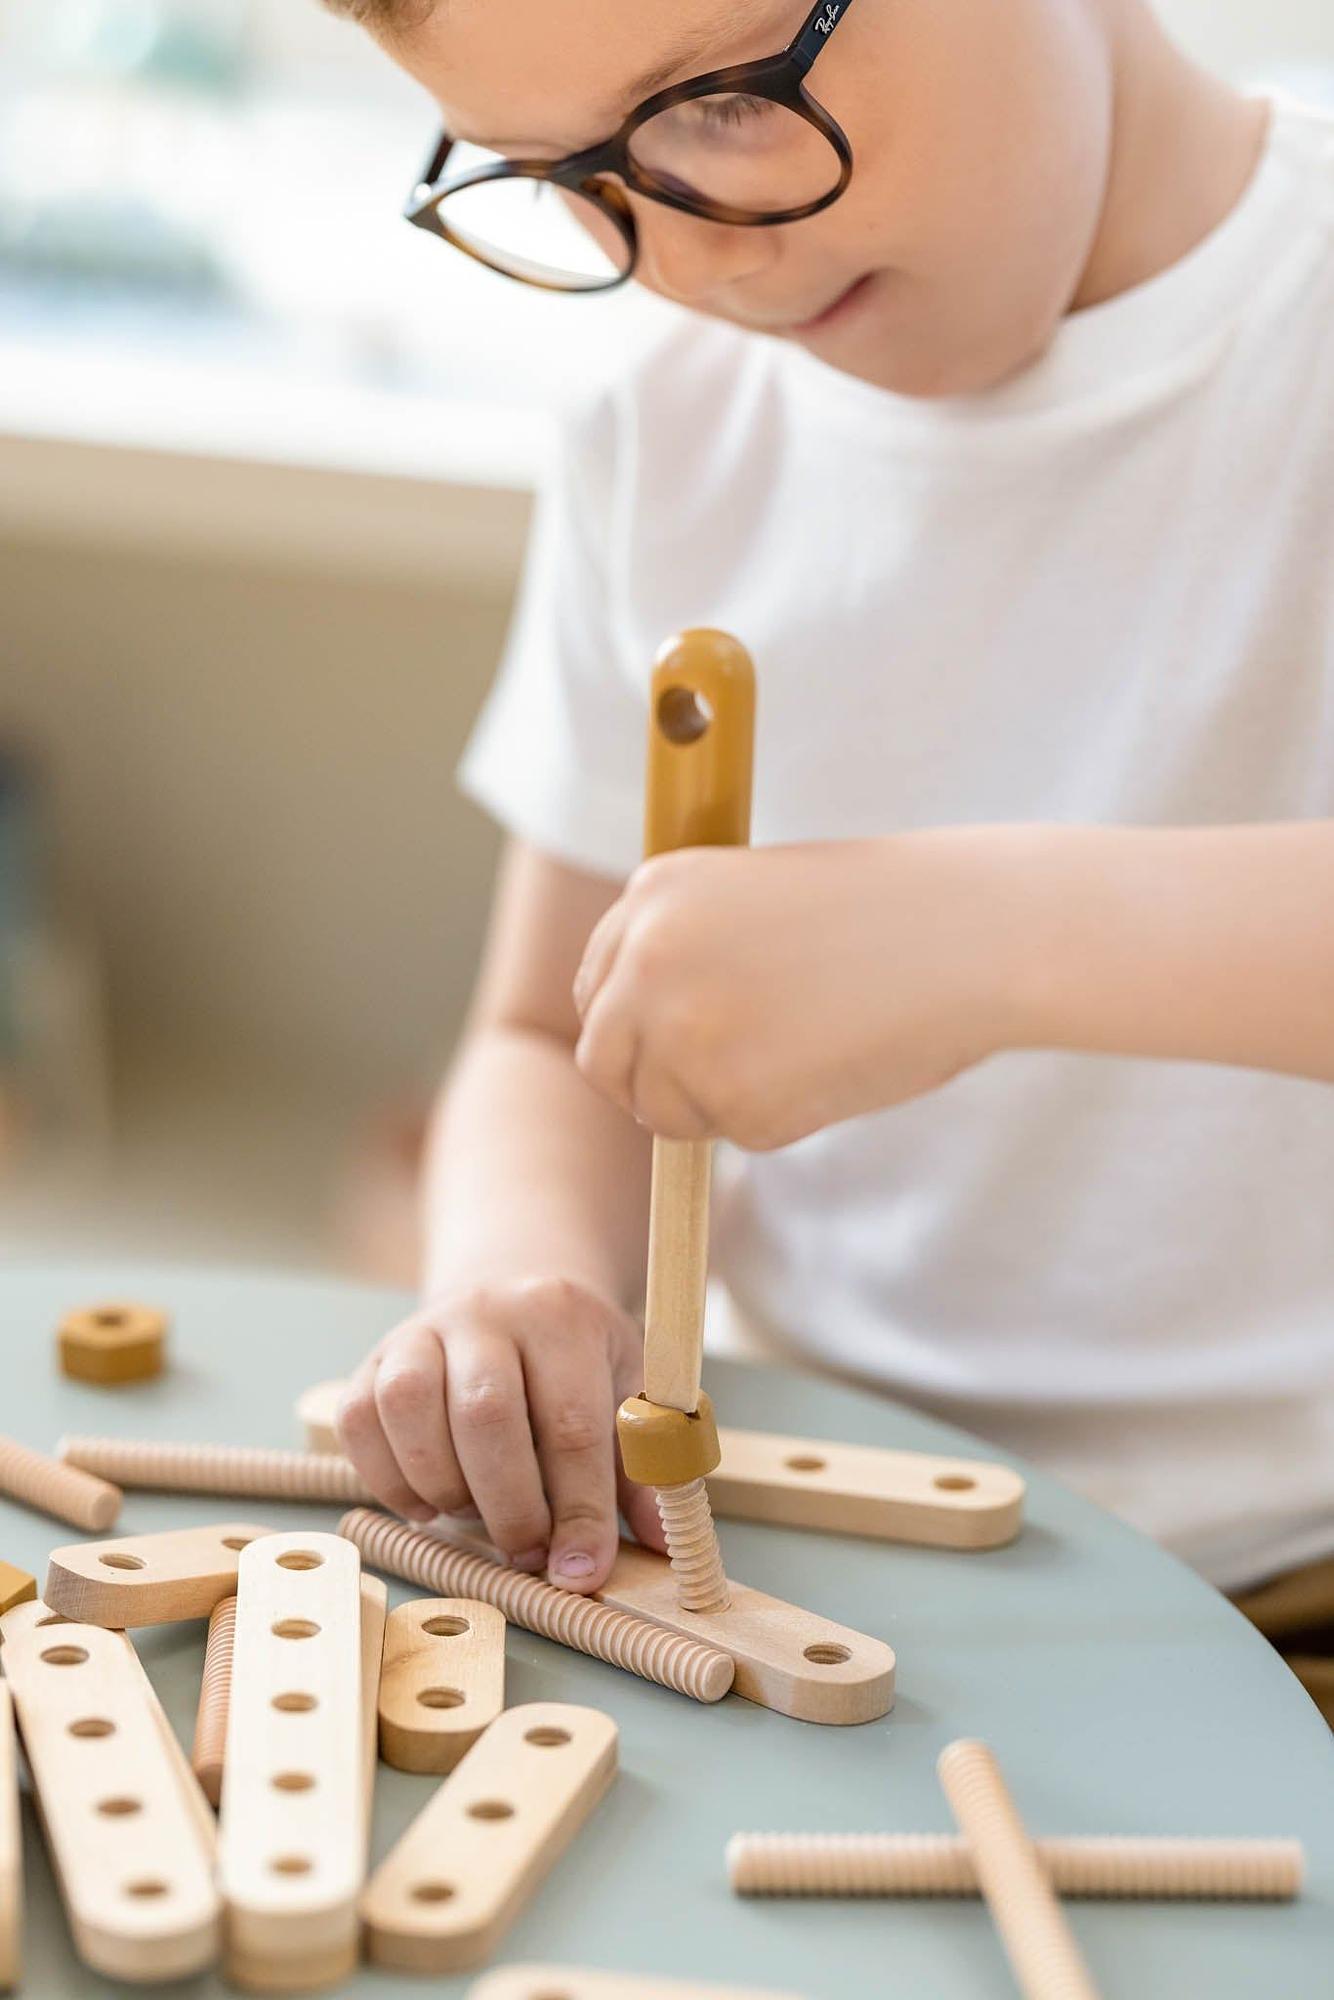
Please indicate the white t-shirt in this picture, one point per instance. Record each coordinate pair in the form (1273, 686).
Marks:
(1103, 593)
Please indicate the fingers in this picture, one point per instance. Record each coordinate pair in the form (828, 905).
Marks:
(606, 1049)
(599, 955)
(361, 1435)
(410, 1403)
(488, 1418)
(574, 1417)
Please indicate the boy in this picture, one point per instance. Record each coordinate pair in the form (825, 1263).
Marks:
(1001, 430)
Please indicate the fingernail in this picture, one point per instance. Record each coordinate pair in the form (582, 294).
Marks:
(530, 1559)
(575, 1564)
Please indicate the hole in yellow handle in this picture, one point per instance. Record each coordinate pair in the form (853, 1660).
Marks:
(683, 715)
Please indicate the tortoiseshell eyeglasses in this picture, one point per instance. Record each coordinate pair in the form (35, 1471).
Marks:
(746, 145)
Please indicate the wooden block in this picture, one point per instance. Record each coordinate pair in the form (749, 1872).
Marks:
(316, 1410)
(563, 1982)
(786, 1659)
(11, 1850)
(148, 1579)
(850, 1489)
(115, 1343)
(374, 1616)
(16, 1587)
(128, 1850)
(443, 1681)
(292, 1851)
(444, 1896)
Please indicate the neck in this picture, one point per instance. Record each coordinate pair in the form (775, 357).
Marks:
(1184, 147)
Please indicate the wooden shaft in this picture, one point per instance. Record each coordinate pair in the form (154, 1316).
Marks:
(215, 1687)
(1038, 1942)
(697, 794)
(43, 1483)
(241, 1470)
(1119, 1867)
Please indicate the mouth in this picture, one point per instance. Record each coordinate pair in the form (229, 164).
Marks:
(842, 308)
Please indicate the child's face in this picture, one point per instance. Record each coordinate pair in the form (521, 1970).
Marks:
(980, 132)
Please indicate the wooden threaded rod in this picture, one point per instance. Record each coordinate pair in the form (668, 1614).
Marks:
(940, 1864)
(239, 1470)
(206, 1758)
(1038, 1942)
(52, 1488)
(692, 1546)
(700, 1671)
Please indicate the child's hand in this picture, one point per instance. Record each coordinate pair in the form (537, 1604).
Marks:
(760, 994)
(502, 1400)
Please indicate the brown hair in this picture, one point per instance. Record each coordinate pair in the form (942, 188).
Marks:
(383, 13)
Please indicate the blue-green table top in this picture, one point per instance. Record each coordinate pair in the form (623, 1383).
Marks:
(1120, 1692)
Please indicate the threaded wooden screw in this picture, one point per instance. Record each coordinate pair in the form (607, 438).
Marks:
(52, 1488)
(700, 1671)
(692, 1546)
(239, 1470)
(215, 1691)
(1038, 1942)
(941, 1864)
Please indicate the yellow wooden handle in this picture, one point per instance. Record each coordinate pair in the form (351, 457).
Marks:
(700, 754)
(700, 744)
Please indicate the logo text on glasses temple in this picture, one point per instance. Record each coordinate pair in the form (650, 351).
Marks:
(825, 24)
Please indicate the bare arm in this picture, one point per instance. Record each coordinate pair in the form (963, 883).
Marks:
(500, 1394)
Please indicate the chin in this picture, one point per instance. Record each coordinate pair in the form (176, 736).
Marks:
(924, 367)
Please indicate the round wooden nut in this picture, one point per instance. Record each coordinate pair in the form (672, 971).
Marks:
(119, 1342)
(666, 1447)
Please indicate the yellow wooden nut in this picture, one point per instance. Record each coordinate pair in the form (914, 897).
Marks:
(120, 1342)
(665, 1447)
(16, 1587)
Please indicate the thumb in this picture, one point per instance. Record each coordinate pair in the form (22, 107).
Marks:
(640, 1509)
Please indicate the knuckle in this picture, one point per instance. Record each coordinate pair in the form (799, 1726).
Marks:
(400, 1392)
(583, 1514)
(354, 1418)
(549, 1298)
(573, 1428)
(484, 1406)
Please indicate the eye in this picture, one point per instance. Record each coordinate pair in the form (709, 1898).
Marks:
(731, 108)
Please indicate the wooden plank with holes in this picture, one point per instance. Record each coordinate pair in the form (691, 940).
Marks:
(445, 1895)
(11, 1849)
(129, 1852)
(374, 1622)
(148, 1579)
(786, 1658)
(564, 1982)
(851, 1489)
(442, 1683)
(292, 1850)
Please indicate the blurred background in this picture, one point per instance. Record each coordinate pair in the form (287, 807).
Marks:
(266, 462)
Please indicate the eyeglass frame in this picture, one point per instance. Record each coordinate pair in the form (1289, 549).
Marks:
(779, 78)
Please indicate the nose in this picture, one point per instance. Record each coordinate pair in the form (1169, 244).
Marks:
(695, 261)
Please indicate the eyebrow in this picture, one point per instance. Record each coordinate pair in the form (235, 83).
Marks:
(685, 54)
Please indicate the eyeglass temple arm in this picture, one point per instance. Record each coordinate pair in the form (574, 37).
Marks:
(819, 26)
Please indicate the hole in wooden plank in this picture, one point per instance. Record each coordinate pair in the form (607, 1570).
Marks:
(490, 1809)
(119, 1808)
(299, 1559)
(683, 715)
(442, 1697)
(432, 1892)
(546, 1736)
(146, 1885)
(447, 1626)
(119, 1561)
(64, 1656)
(92, 1725)
(827, 1655)
(237, 1541)
(293, 1781)
(295, 1628)
(295, 1703)
(291, 1864)
(109, 1316)
(805, 1464)
(954, 1482)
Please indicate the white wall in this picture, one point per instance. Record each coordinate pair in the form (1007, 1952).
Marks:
(1247, 37)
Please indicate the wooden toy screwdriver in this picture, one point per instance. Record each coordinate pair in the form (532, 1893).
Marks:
(700, 752)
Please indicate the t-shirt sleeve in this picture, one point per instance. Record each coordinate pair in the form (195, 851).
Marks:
(557, 753)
